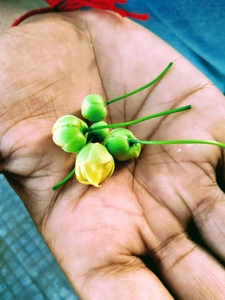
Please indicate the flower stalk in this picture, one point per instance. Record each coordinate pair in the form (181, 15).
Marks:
(168, 112)
(133, 141)
(141, 88)
(64, 180)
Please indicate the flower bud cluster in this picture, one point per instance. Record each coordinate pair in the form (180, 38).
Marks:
(97, 147)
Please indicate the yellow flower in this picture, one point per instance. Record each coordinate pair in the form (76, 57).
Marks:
(94, 164)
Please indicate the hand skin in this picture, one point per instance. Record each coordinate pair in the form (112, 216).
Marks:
(48, 65)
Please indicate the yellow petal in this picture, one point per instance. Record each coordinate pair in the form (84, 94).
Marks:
(99, 154)
(94, 164)
(80, 174)
(93, 173)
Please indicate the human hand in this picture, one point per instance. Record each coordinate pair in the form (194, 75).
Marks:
(99, 235)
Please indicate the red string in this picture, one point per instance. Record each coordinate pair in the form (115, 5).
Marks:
(68, 5)
(31, 13)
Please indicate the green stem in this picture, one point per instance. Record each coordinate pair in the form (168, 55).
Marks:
(85, 130)
(141, 88)
(178, 142)
(64, 180)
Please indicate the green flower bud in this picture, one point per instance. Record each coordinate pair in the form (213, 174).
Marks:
(99, 135)
(93, 108)
(94, 164)
(119, 145)
(67, 133)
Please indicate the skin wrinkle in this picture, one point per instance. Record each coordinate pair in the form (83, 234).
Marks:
(160, 253)
(42, 224)
(180, 259)
(205, 206)
(121, 209)
(182, 163)
(209, 172)
(43, 162)
(120, 266)
(44, 62)
(121, 262)
(158, 199)
(184, 222)
(135, 116)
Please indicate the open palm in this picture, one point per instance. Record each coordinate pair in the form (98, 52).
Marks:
(99, 236)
